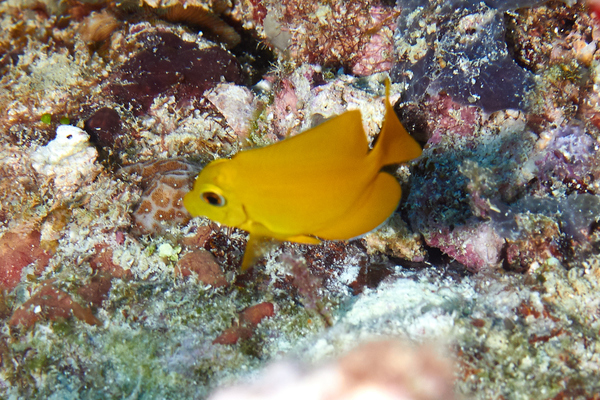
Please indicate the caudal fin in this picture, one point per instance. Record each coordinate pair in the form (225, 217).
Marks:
(394, 145)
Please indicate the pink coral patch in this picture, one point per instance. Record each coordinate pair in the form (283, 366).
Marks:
(476, 246)
(449, 118)
(18, 250)
(204, 265)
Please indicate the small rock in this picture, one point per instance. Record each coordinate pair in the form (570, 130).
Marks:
(248, 320)
(202, 263)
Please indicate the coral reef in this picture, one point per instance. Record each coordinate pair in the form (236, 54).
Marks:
(170, 66)
(356, 36)
(482, 285)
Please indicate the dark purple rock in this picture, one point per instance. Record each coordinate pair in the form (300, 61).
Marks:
(467, 56)
(104, 127)
(171, 66)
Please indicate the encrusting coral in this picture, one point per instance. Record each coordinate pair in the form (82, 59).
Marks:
(163, 183)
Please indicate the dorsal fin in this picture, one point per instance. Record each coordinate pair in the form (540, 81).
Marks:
(394, 145)
(337, 139)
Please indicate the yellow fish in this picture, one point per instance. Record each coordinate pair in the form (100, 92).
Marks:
(324, 183)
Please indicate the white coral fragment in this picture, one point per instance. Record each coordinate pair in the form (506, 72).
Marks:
(68, 160)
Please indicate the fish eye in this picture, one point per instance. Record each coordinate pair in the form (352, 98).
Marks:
(214, 199)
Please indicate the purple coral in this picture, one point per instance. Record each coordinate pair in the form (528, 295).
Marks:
(104, 127)
(568, 155)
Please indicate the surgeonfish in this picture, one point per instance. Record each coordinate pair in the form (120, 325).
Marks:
(322, 184)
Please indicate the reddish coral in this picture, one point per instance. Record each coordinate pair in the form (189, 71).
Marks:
(253, 315)
(102, 262)
(247, 321)
(340, 33)
(204, 265)
(286, 108)
(49, 304)
(96, 290)
(18, 250)
(439, 118)
(375, 55)
(476, 246)
(198, 239)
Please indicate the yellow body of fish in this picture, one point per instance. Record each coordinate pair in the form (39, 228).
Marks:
(324, 183)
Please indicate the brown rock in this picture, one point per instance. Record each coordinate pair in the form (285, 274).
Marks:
(204, 265)
(199, 239)
(96, 291)
(248, 320)
(253, 315)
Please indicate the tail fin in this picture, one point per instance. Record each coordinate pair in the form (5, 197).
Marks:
(394, 145)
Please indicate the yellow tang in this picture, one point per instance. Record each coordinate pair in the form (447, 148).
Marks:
(324, 183)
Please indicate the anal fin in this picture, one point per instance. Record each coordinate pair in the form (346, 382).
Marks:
(378, 202)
